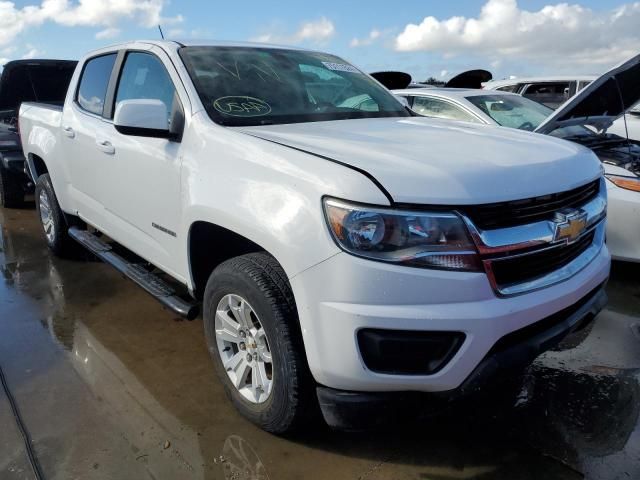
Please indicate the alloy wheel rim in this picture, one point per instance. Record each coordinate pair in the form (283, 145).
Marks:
(243, 347)
(46, 216)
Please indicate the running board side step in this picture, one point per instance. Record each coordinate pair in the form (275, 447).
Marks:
(153, 284)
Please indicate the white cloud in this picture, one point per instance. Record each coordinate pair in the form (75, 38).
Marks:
(316, 31)
(444, 73)
(368, 40)
(562, 34)
(89, 13)
(175, 33)
(32, 52)
(110, 32)
(8, 50)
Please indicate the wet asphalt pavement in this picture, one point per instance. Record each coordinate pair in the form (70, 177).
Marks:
(111, 386)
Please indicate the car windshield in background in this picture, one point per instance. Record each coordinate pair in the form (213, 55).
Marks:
(263, 86)
(512, 110)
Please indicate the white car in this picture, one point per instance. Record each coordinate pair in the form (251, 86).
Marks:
(344, 254)
(629, 125)
(550, 91)
(593, 110)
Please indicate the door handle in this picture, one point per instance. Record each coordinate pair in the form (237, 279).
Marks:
(105, 146)
(68, 131)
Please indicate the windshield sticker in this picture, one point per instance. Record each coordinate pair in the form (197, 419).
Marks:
(340, 67)
(242, 106)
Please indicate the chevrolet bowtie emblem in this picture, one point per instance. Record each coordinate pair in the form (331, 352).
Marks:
(569, 225)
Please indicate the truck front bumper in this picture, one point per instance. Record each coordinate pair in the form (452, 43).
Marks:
(345, 295)
(508, 357)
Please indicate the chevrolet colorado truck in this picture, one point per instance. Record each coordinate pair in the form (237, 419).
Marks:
(346, 253)
(43, 81)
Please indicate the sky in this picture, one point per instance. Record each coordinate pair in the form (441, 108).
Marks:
(422, 37)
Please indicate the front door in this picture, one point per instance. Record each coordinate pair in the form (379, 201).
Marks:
(143, 201)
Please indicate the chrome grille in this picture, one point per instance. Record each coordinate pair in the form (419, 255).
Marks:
(529, 210)
(513, 270)
(531, 256)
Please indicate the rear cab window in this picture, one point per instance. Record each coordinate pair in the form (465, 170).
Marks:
(94, 81)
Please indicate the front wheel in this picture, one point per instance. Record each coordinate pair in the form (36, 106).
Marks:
(252, 333)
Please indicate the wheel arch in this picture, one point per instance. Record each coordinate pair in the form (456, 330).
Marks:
(36, 166)
(209, 245)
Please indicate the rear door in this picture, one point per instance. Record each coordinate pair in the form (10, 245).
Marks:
(81, 122)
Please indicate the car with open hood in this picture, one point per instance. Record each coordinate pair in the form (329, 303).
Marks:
(551, 91)
(585, 119)
(35, 80)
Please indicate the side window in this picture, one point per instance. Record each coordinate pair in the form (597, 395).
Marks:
(583, 84)
(433, 107)
(550, 94)
(508, 88)
(94, 82)
(144, 77)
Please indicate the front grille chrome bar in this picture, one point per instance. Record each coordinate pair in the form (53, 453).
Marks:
(533, 235)
(563, 273)
(511, 243)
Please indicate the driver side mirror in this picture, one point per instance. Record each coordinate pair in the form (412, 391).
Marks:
(144, 118)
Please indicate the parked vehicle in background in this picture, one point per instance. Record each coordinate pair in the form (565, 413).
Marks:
(550, 91)
(629, 124)
(345, 251)
(394, 80)
(586, 119)
(43, 81)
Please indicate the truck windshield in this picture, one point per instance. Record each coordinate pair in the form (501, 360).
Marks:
(242, 86)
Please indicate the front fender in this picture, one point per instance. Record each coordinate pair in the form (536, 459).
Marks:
(266, 193)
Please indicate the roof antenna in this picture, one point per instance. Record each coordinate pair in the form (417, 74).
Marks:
(161, 34)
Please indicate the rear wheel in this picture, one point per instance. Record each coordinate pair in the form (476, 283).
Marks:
(253, 337)
(52, 218)
(11, 192)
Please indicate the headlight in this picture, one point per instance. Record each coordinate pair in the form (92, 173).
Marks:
(418, 239)
(628, 183)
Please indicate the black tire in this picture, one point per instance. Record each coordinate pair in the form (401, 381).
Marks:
(11, 191)
(60, 243)
(259, 278)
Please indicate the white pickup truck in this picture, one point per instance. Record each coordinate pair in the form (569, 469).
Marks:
(347, 254)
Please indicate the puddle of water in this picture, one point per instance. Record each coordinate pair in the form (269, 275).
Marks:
(576, 411)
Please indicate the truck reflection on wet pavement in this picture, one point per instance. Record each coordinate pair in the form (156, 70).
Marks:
(110, 385)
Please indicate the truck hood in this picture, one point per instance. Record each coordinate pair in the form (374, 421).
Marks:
(601, 102)
(441, 162)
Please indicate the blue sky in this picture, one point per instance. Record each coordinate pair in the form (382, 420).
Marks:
(510, 38)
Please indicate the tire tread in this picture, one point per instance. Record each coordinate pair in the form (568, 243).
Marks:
(271, 280)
